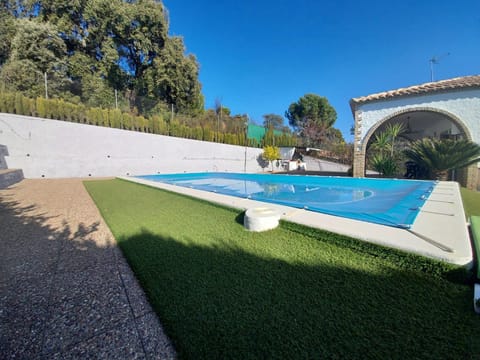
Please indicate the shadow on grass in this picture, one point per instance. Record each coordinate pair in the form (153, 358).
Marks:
(38, 251)
(222, 302)
(240, 218)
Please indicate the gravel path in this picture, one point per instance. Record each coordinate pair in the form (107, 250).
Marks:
(66, 290)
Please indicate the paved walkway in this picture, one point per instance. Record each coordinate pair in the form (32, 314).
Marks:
(65, 289)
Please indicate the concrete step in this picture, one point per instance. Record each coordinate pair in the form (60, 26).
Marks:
(3, 163)
(3, 153)
(9, 177)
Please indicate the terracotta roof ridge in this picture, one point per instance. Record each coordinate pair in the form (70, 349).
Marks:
(447, 84)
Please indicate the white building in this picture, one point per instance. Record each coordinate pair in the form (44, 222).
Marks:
(442, 109)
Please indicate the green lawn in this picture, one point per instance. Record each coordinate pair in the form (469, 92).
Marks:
(291, 293)
(471, 202)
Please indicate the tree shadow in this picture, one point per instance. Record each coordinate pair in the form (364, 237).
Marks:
(262, 162)
(221, 301)
(44, 273)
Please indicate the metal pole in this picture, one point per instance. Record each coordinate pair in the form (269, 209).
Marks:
(246, 145)
(431, 69)
(46, 85)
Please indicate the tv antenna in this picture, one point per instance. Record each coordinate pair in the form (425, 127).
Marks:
(434, 61)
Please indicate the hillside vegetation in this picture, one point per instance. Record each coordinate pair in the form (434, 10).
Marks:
(109, 63)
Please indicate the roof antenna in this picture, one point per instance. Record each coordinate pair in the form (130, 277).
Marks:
(435, 60)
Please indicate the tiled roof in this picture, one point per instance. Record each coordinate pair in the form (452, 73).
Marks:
(437, 86)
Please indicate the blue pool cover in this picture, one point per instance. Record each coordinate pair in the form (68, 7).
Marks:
(389, 202)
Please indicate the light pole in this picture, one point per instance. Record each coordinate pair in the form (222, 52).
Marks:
(46, 85)
(246, 145)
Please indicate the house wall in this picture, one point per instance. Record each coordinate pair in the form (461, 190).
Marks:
(461, 105)
(56, 149)
(464, 105)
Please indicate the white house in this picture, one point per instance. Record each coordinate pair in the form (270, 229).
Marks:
(442, 109)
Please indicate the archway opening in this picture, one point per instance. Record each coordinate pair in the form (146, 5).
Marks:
(414, 125)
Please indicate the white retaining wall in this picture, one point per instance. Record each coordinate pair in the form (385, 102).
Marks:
(56, 149)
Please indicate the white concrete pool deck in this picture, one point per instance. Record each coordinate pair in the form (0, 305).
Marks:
(440, 230)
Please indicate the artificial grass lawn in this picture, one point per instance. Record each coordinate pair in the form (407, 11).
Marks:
(471, 202)
(291, 293)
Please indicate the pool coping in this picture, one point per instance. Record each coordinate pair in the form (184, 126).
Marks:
(440, 230)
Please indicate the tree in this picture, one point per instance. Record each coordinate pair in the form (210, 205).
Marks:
(90, 48)
(273, 121)
(311, 116)
(269, 137)
(271, 153)
(173, 78)
(36, 49)
(7, 31)
(438, 157)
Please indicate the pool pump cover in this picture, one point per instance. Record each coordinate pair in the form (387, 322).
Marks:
(261, 219)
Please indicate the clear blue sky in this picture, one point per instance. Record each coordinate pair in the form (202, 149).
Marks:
(260, 56)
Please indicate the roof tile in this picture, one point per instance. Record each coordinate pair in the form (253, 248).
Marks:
(437, 86)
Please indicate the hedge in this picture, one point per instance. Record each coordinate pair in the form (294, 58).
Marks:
(59, 109)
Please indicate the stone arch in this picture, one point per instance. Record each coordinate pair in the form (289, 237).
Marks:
(467, 177)
(452, 117)
(448, 108)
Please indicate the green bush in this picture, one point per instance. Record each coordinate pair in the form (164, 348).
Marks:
(29, 106)
(127, 121)
(105, 118)
(19, 104)
(41, 110)
(52, 108)
(384, 164)
(182, 126)
(198, 133)
(208, 134)
(116, 118)
(10, 103)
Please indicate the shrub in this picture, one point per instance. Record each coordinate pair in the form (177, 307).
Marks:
(384, 164)
(75, 111)
(438, 157)
(41, 110)
(271, 153)
(127, 121)
(116, 118)
(19, 104)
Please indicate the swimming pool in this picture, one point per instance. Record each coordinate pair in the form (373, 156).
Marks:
(388, 202)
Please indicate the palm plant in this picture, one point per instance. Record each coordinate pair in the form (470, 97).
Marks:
(441, 156)
(385, 165)
(393, 131)
(381, 142)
